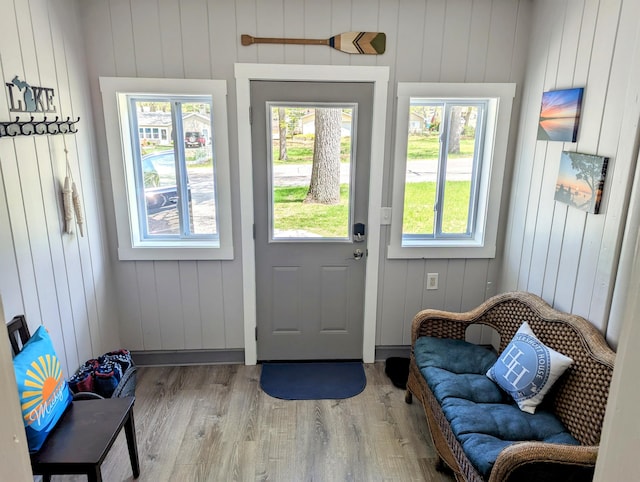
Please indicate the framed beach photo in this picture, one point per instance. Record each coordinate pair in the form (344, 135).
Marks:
(560, 115)
(581, 180)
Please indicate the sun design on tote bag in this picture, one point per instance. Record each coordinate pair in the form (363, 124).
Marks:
(43, 386)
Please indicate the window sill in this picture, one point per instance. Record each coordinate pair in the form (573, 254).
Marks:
(176, 253)
(442, 250)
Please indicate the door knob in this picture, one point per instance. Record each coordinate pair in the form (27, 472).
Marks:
(358, 254)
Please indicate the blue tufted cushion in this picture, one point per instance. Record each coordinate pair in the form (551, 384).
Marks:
(485, 429)
(469, 386)
(456, 356)
(483, 417)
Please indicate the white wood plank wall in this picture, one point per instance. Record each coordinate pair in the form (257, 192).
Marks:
(563, 254)
(568, 257)
(62, 281)
(176, 305)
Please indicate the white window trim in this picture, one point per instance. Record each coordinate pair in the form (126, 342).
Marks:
(122, 180)
(483, 245)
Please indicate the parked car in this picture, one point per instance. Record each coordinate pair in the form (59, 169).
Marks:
(159, 197)
(194, 139)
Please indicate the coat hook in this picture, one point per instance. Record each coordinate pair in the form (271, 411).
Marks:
(27, 129)
(46, 125)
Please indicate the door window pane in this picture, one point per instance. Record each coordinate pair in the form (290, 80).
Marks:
(311, 165)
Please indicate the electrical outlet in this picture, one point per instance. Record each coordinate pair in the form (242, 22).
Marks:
(432, 281)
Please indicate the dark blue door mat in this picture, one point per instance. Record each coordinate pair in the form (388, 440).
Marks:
(313, 380)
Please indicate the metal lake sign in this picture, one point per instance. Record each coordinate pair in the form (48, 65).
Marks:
(29, 98)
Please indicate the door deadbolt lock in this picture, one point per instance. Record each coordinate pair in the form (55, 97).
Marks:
(358, 232)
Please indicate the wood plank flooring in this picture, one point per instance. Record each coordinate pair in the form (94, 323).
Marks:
(214, 423)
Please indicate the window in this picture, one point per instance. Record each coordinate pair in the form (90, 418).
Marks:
(327, 129)
(451, 143)
(172, 198)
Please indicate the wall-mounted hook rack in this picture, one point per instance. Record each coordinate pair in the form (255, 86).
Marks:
(40, 127)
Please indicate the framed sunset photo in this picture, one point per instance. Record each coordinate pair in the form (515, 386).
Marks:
(560, 115)
(581, 180)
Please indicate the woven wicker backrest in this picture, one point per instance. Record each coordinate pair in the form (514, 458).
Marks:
(579, 398)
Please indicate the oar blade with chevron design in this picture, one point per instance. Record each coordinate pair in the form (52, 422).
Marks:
(372, 43)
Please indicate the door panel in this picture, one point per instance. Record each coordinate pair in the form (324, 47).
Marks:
(335, 314)
(309, 285)
(285, 285)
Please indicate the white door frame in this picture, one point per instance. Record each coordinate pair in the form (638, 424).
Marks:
(379, 76)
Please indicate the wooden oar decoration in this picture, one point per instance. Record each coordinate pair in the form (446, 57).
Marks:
(373, 43)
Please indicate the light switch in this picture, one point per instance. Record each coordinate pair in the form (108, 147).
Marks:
(385, 216)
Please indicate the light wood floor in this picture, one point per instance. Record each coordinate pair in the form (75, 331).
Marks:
(214, 423)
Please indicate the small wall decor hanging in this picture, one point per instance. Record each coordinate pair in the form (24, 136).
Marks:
(373, 43)
(560, 115)
(581, 180)
(25, 98)
(71, 200)
(34, 98)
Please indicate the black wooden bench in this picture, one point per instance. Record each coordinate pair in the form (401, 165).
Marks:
(85, 433)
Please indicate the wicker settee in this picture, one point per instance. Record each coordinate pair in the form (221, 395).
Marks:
(578, 399)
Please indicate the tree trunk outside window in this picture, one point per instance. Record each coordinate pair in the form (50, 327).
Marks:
(282, 126)
(325, 173)
(454, 131)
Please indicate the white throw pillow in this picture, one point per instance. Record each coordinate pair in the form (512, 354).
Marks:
(527, 369)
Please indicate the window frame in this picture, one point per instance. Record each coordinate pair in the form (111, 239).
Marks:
(353, 106)
(447, 106)
(179, 151)
(489, 186)
(120, 147)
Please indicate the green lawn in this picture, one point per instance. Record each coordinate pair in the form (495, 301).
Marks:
(153, 148)
(427, 147)
(419, 198)
(291, 213)
(300, 149)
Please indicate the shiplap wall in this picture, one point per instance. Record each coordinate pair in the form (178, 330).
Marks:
(561, 253)
(62, 281)
(448, 41)
(192, 305)
(566, 256)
